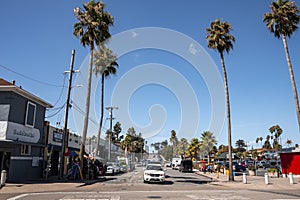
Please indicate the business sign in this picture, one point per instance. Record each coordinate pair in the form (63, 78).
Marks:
(18, 132)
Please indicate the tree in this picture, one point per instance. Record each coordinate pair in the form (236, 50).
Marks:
(105, 65)
(132, 142)
(257, 140)
(282, 21)
(220, 39)
(193, 148)
(277, 131)
(173, 140)
(241, 143)
(207, 142)
(181, 147)
(116, 138)
(93, 27)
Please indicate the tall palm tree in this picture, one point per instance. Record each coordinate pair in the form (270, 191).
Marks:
(220, 39)
(282, 21)
(105, 65)
(92, 27)
(173, 140)
(207, 142)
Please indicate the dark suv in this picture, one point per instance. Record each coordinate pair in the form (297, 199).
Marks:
(186, 166)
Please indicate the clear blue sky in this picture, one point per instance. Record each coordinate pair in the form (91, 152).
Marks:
(37, 40)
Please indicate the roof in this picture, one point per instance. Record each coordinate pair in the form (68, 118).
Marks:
(4, 82)
(6, 86)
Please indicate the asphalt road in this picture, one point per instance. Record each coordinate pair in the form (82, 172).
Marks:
(130, 186)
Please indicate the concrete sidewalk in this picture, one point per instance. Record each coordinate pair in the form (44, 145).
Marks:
(253, 182)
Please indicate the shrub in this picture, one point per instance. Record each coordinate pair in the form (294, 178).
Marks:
(251, 168)
(272, 170)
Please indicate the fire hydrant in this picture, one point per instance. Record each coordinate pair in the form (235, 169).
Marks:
(3, 177)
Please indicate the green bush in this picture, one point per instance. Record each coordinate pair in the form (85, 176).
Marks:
(251, 168)
(272, 170)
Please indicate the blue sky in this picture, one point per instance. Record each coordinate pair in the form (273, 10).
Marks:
(37, 40)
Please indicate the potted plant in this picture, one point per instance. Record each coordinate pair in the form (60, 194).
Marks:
(273, 172)
(251, 170)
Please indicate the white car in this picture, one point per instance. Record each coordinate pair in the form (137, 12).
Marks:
(154, 173)
(112, 168)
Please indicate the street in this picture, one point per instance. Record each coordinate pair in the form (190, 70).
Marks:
(130, 186)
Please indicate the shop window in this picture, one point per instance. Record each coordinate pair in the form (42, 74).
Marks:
(30, 114)
(25, 149)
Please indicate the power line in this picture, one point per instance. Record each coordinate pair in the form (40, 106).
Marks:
(29, 78)
(61, 91)
(56, 112)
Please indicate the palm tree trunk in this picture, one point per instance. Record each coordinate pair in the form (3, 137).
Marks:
(292, 78)
(101, 114)
(87, 108)
(231, 178)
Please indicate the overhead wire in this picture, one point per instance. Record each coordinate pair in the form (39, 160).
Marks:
(29, 78)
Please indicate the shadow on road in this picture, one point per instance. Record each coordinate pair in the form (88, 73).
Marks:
(165, 183)
(193, 181)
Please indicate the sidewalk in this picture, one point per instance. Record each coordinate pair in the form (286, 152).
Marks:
(253, 182)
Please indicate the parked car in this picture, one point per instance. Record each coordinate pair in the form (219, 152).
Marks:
(168, 164)
(186, 166)
(237, 167)
(112, 168)
(149, 162)
(262, 164)
(154, 173)
(176, 163)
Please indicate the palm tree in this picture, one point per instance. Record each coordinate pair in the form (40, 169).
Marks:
(257, 140)
(261, 139)
(207, 142)
(173, 140)
(282, 21)
(219, 38)
(277, 132)
(182, 146)
(93, 27)
(105, 65)
(193, 148)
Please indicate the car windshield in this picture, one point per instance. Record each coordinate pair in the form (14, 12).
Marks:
(154, 167)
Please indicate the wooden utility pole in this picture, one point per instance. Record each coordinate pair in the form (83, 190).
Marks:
(110, 109)
(64, 142)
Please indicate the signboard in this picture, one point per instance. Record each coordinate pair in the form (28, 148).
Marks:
(57, 136)
(18, 132)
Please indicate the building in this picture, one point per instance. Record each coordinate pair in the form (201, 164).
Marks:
(53, 148)
(22, 139)
(290, 162)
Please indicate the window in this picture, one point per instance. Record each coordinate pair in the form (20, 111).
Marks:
(25, 149)
(30, 114)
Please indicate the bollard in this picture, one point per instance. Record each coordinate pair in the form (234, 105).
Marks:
(244, 178)
(266, 178)
(3, 178)
(291, 178)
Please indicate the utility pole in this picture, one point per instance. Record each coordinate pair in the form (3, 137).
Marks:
(110, 110)
(64, 142)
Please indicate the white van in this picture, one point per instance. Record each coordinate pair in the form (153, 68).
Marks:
(176, 163)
